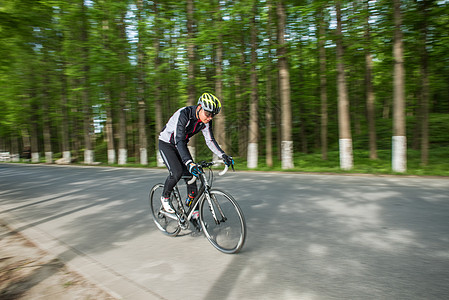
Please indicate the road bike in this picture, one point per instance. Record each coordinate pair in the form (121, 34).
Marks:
(220, 217)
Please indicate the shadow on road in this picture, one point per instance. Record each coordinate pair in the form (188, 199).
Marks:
(309, 236)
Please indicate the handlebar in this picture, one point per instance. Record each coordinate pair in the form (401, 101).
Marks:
(204, 164)
(221, 173)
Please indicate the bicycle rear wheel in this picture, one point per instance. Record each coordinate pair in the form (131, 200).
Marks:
(167, 223)
(229, 233)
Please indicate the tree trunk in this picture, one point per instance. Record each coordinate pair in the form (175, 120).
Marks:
(15, 153)
(323, 82)
(344, 124)
(242, 104)
(143, 144)
(46, 128)
(122, 149)
(220, 119)
(66, 154)
(191, 68)
(26, 141)
(109, 128)
(370, 98)
(46, 115)
(87, 113)
(35, 155)
(190, 54)
(157, 84)
(284, 82)
(278, 117)
(269, 97)
(300, 109)
(77, 119)
(302, 128)
(424, 111)
(399, 149)
(254, 106)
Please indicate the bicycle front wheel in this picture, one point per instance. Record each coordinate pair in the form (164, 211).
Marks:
(167, 223)
(227, 230)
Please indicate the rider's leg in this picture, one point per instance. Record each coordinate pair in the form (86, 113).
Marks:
(192, 189)
(175, 167)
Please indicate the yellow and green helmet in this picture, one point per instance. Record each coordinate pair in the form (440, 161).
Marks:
(210, 103)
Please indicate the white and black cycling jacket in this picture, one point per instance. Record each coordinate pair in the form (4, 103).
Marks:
(182, 126)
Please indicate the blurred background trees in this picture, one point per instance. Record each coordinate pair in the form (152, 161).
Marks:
(95, 80)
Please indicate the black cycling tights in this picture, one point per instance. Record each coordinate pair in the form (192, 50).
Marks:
(176, 169)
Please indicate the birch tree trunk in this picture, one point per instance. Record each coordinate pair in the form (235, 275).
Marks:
(284, 82)
(109, 128)
(323, 82)
(87, 113)
(220, 119)
(15, 153)
(122, 150)
(66, 154)
(242, 104)
(254, 106)
(370, 98)
(35, 155)
(46, 119)
(26, 142)
(344, 124)
(157, 85)
(424, 111)
(399, 149)
(269, 97)
(47, 132)
(191, 91)
(143, 143)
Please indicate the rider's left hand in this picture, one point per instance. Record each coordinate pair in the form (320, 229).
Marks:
(228, 160)
(194, 169)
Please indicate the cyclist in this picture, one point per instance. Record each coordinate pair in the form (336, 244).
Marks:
(173, 139)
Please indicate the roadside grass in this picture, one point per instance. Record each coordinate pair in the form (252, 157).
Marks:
(438, 164)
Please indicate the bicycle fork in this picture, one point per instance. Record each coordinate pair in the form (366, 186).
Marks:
(212, 209)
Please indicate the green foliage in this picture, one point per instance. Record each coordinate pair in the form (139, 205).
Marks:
(43, 64)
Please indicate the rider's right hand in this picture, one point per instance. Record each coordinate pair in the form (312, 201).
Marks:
(193, 169)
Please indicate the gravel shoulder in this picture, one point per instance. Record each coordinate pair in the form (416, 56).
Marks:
(27, 272)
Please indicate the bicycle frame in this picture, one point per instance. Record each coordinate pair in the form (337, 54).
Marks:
(214, 206)
(204, 191)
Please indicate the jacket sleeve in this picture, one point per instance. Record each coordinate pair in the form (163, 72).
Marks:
(180, 137)
(210, 140)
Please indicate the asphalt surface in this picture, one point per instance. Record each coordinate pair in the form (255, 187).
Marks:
(309, 236)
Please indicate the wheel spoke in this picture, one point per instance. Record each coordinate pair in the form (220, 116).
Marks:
(227, 233)
(164, 223)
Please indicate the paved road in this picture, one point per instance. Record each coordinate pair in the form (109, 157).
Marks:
(309, 236)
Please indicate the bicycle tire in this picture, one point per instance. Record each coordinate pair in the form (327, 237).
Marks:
(228, 236)
(164, 223)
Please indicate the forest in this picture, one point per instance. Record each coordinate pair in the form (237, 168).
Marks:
(92, 81)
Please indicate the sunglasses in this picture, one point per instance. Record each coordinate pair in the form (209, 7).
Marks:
(208, 114)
